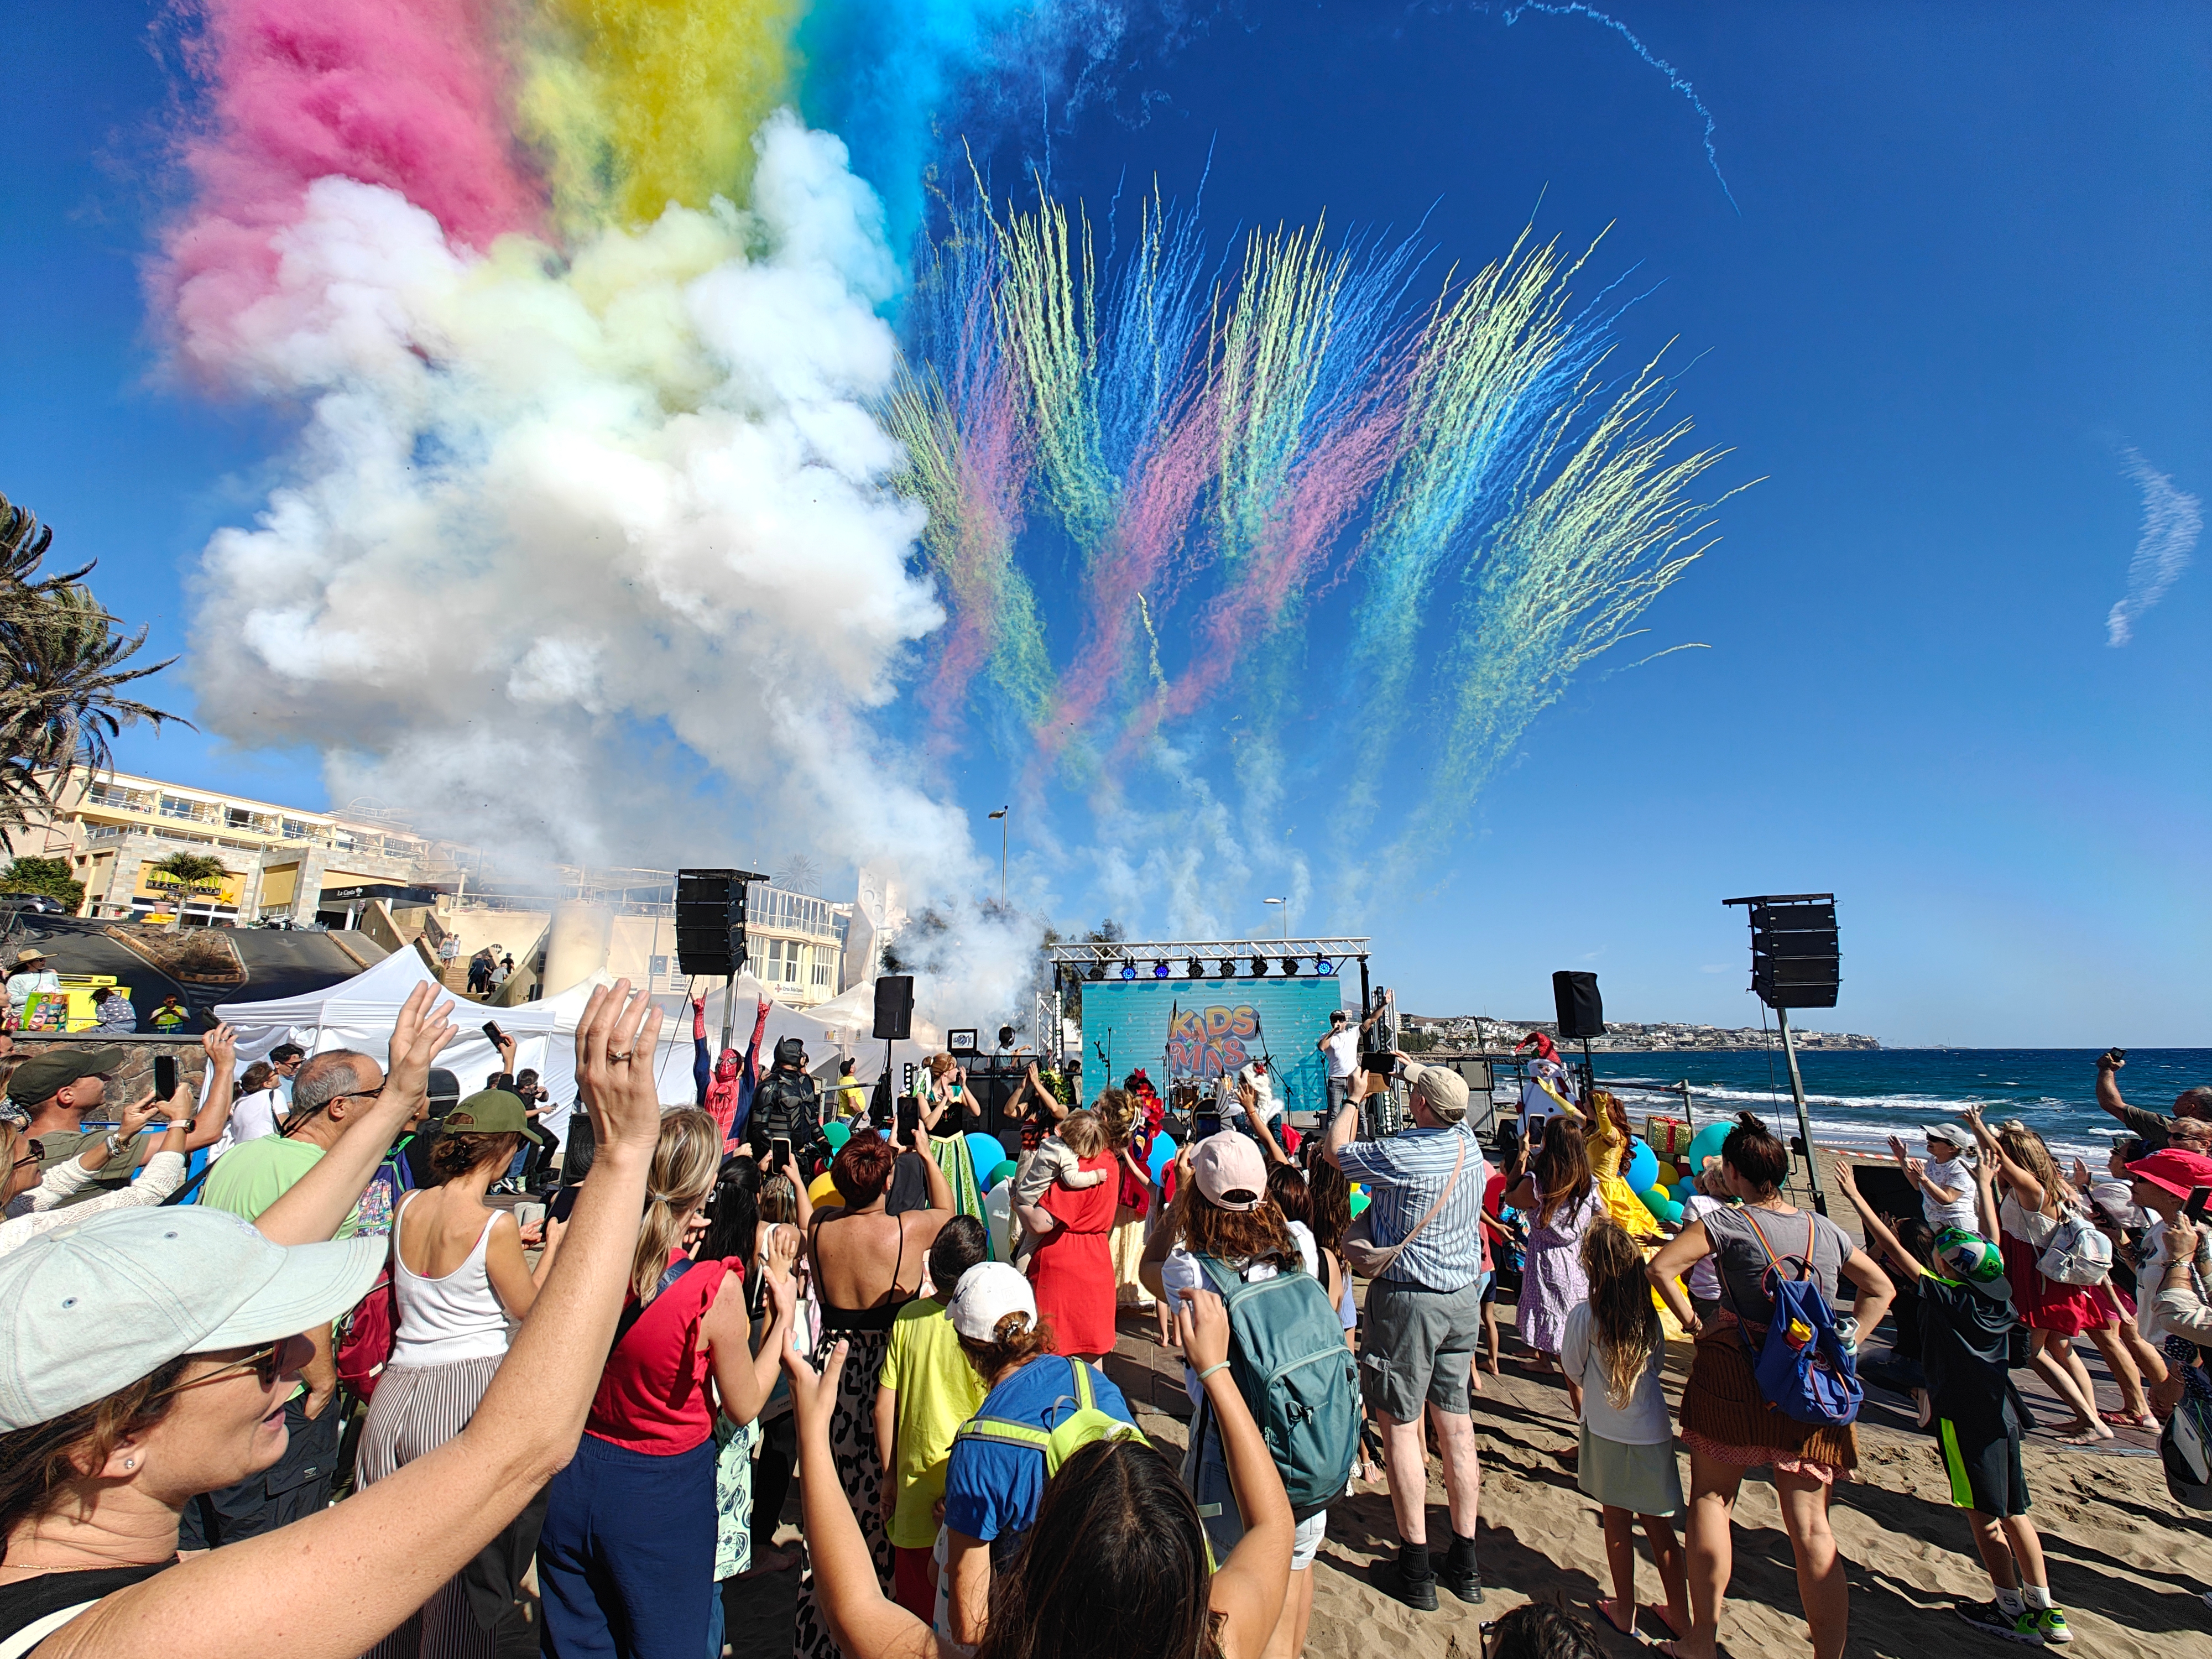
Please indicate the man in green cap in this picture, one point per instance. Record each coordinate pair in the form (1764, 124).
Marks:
(58, 1090)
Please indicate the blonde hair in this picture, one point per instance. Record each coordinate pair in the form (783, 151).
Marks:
(1117, 1115)
(685, 1162)
(940, 1065)
(1624, 1325)
(1083, 1133)
(2025, 1147)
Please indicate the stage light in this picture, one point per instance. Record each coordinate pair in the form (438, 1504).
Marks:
(1194, 970)
(1098, 972)
(1289, 967)
(1324, 966)
(1128, 970)
(1159, 971)
(1259, 966)
(1228, 970)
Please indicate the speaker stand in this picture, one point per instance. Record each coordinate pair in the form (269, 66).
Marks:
(1804, 1123)
(1589, 1074)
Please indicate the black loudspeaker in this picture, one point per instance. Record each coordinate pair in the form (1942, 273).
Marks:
(1574, 998)
(1795, 961)
(710, 922)
(895, 1007)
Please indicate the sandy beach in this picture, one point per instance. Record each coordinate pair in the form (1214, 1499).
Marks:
(2127, 1567)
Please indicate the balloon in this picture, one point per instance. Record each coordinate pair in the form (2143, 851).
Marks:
(1654, 1200)
(986, 1153)
(1358, 1199)
(1671, 1213)
(1163, 1152)
(1005, 1171)
(824, 1191)
(836, 1134)
(1706, 1143)
(1643, 1170)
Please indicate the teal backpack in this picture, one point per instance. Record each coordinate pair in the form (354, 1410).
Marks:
(1287, 1355)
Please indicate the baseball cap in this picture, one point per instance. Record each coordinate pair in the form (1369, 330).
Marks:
(491, 1112)
(1441, 1088)
(2173, 1169)
(986, 1293)
(42, 1074)
(1229, 1171)
(1948, 1132)
(1972, 1259)
(443, 1085)
(94, 1307)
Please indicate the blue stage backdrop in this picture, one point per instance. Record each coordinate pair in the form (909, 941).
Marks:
(1201, 1028)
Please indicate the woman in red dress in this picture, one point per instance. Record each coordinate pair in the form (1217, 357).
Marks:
(1073, 1269)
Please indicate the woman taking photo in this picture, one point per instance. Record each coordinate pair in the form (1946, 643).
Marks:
(1117, 1563)
(457, 1276)
(102, 1443)
(1560, 1198)
(43, 1202)
(629, 1535)
(1727, 1423)
(865, 1264)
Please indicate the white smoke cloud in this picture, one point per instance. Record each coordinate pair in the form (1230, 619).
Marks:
(556, 529)
(2172, 520)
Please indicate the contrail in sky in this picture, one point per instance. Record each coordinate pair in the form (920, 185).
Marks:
(1674, 76)
(2172, 520)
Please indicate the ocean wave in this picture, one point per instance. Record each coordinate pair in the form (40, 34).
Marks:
(1948, 1105)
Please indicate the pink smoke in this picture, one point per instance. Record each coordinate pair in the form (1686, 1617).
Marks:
(405, 93)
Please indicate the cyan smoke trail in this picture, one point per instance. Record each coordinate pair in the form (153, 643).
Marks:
(1675, 78)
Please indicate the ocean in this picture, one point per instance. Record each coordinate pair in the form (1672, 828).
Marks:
(1858, 1098)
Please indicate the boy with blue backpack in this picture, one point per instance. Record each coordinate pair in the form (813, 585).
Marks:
(1967, 1324)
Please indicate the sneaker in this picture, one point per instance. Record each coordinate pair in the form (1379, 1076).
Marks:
(1468, 1586)
(2050, 1624)
(1991, 1617)
(1419, 1593)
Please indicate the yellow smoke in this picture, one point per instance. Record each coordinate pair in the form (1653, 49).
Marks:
(634, 104)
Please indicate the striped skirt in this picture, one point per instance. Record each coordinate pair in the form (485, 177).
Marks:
(415, 1410)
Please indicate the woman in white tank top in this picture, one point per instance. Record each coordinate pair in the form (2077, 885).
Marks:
(457, 1276)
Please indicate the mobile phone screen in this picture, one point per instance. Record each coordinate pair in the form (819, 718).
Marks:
(165, 1075)
(779, 1152)
(2195, 1208)
(492, 1030)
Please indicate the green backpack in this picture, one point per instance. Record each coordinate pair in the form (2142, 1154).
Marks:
(1082, 1425)
(1287, 1354)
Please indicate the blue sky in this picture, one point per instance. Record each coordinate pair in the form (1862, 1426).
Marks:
(1964, 269)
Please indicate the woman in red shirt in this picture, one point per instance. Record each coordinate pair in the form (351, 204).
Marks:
(1074, 1270)
(626, 1559)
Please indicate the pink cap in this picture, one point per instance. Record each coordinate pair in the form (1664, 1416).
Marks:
(1229, 1171)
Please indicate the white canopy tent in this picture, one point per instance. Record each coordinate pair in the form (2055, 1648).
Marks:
(358, 1013)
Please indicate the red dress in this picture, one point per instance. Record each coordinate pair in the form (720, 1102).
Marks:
(1074, 1270)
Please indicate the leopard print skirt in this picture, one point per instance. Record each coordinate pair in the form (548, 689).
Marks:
(860, 1472)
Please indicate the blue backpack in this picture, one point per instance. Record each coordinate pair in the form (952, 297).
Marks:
(1287, 1354)
(1802, 1369)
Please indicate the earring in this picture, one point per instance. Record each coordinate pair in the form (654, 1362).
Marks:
(129, 1463)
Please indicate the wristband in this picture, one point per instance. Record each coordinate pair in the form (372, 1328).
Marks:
(1217, 1366)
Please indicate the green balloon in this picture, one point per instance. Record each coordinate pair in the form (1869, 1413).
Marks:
(1358, 1200)
(836, 1134)
(1002, 1171)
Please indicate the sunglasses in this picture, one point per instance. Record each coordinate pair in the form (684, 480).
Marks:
(266, 1362)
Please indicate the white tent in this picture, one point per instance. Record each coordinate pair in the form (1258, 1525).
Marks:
(358, 1013)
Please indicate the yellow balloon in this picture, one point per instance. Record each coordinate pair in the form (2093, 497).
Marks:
(824, 1191)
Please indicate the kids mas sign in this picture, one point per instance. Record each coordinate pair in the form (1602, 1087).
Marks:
(1204, 1028)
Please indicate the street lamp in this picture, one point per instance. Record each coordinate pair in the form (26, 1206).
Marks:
(1285, 903)
(1001, 816)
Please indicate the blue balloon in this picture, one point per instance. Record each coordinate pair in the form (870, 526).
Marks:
(1163, 1152)
(1671, 1213)
(1705, 1143)
(1643, 1172)
(986, 1153)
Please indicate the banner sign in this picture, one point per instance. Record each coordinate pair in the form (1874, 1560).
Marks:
(1179, 1028)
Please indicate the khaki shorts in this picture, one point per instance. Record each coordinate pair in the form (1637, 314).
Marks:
(1416, 1344)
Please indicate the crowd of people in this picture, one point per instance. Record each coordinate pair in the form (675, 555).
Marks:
(319, 1397)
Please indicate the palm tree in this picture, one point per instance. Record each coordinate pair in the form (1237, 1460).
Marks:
(63, 659)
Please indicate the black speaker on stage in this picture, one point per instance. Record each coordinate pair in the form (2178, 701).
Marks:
(1575, 1000)
(1795, 961)
(710, 922)
(895, 1007)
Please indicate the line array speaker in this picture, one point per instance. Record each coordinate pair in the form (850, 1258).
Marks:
(1795, 961)
(710, 922)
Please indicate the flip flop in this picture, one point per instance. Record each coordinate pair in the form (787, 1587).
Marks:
(2127, 1420)
(1605, 1606)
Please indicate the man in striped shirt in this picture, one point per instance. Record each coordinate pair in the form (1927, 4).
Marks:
(1425, 1189)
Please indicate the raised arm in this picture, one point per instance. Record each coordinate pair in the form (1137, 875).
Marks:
(1985, 1199)
(334, 1583)
(1248, 1097)
(940, 1189)
(2025, 1187)
(1168, 1231)
(318, 1203)
(1878, 1232)
(1248, 1591)
(1342, 1126)
(2108, 1086)
(742, 1378)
